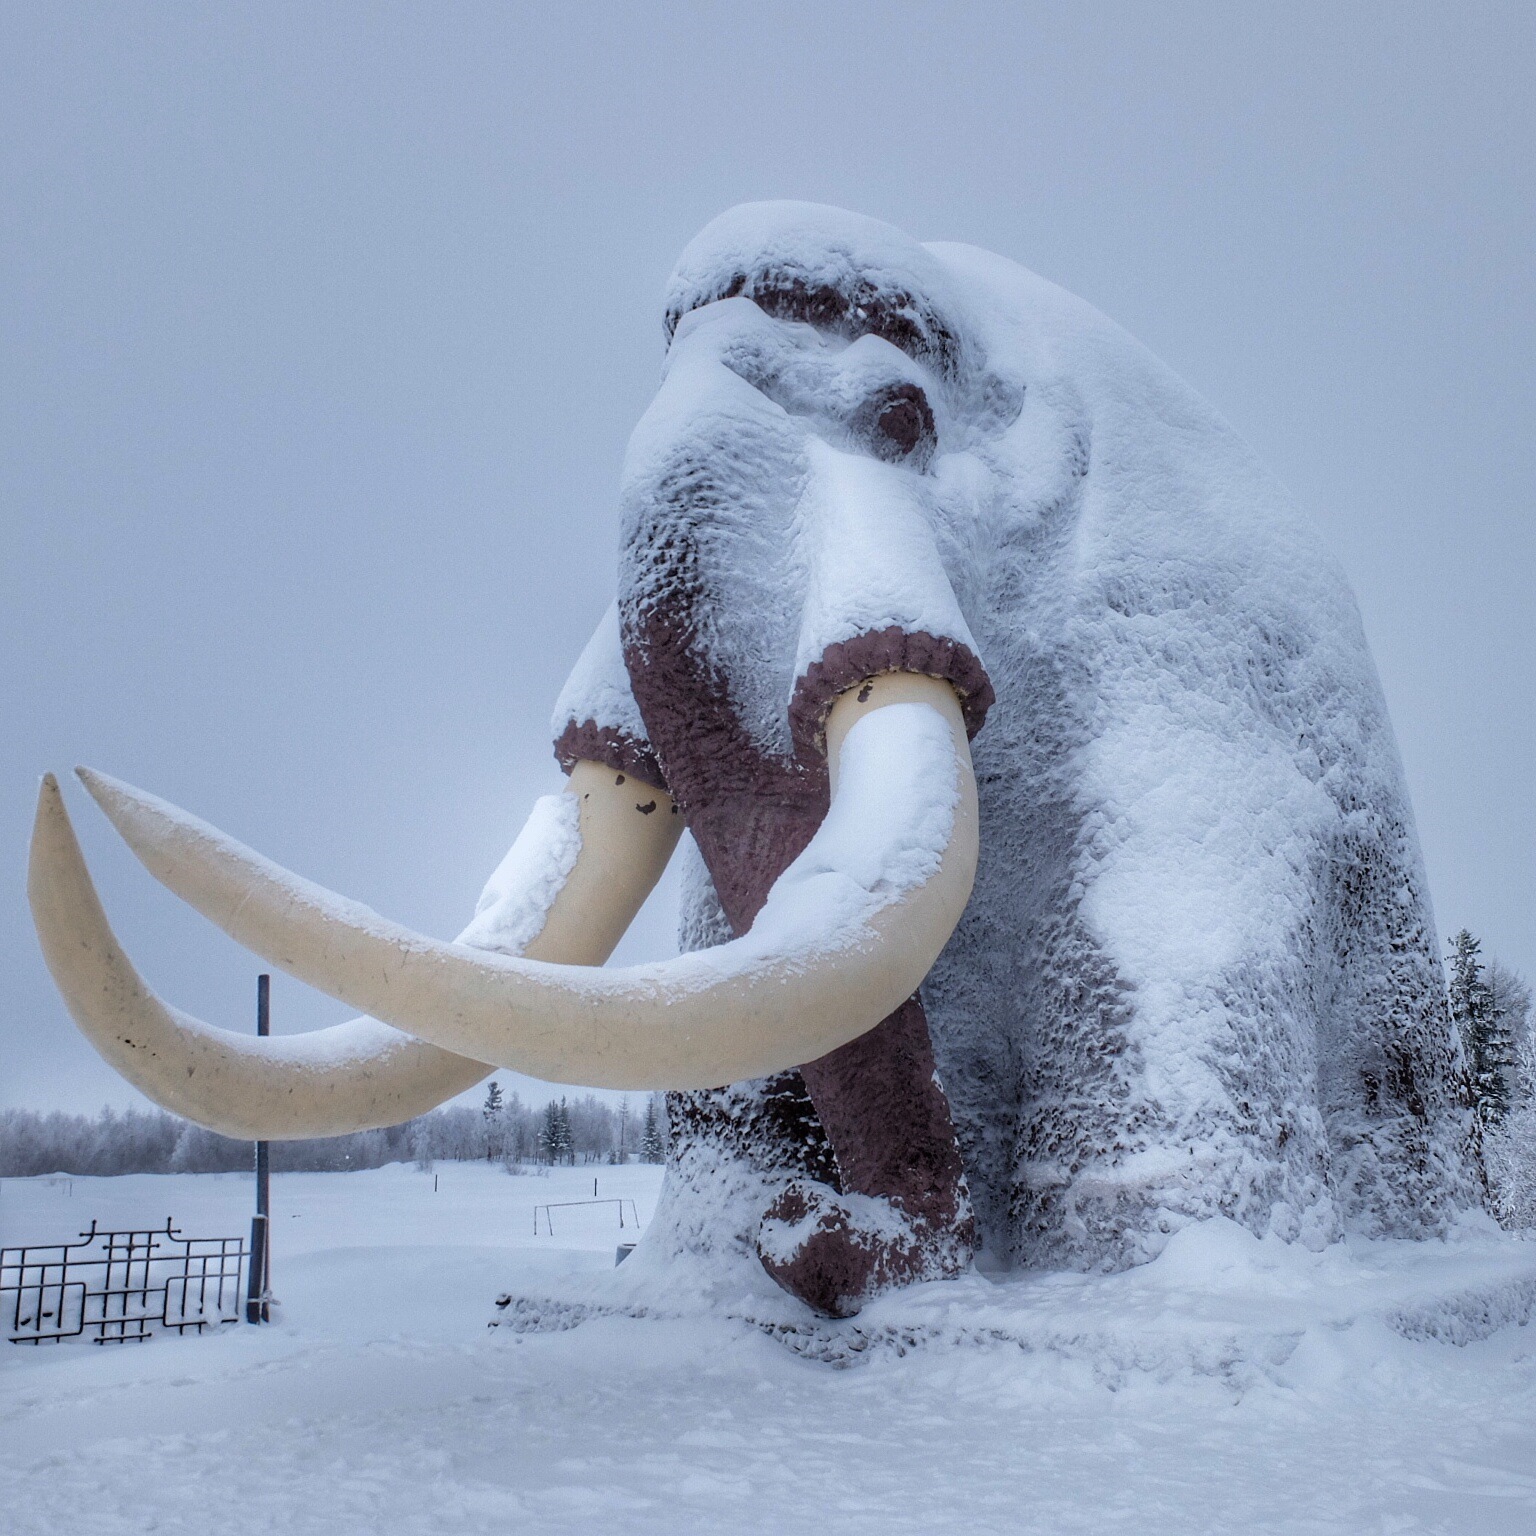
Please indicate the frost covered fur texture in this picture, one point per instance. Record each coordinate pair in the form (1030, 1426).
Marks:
(1198, 975)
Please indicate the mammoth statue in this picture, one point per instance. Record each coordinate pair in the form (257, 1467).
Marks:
(1052, 881)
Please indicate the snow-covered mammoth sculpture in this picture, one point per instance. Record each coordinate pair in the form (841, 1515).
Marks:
(891, 498)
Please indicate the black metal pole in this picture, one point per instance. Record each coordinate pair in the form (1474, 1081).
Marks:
(258, 1284)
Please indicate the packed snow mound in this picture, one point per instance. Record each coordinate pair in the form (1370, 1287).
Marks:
(1199, 976)
(1217, 1302)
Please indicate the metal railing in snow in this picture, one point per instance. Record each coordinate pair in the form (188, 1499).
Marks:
(120, 1287)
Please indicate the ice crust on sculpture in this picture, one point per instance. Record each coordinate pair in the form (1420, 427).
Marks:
(1199, 973)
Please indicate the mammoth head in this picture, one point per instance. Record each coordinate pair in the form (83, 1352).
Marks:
(787, 671)
(786, 510)
(787, 490)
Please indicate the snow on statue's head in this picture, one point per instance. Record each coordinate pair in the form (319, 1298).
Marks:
(897, 511)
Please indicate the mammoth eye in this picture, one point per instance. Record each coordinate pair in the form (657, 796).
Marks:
(897, 423)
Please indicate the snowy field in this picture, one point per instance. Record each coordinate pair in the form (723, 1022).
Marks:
(1231, 1387)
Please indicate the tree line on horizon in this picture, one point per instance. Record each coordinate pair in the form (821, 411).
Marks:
(503, 1130)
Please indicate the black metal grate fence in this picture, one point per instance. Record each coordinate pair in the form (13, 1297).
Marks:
(119, 1287)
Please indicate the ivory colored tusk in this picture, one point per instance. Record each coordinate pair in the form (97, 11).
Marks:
(847, 934)
(350, 1077)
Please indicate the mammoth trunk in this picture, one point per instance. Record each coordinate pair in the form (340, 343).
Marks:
(892, 1206)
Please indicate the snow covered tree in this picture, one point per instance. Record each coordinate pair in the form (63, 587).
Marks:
(652, 1143)
(1483, 1028)
(622, 1148)
(555, 1141)
(591, 1123)
(492, 1112)
(1510, 996)
(1509, 1145)
(199, 1150)
(421, 1142)
(565, 1146)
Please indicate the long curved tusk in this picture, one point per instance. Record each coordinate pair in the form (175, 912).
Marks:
(847, 934)
(363, 1073)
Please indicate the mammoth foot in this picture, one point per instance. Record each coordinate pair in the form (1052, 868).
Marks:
(837, 1252)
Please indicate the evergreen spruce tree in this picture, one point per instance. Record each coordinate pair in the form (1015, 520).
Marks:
(652, 1146)
(1486, 1039)
(564, 1147)
(1510, 1000)
(492, 1112)
(1509, 1148)
(549, 1133)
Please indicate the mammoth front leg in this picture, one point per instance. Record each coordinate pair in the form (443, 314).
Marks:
(904, 1214)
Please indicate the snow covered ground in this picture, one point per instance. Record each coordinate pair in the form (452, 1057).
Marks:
(1231, 1386)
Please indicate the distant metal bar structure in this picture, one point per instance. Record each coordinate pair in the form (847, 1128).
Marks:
(119, 1287)
(258, 1296)
(561, 1205)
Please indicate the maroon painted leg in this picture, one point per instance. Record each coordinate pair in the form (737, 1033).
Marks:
(904, 1214)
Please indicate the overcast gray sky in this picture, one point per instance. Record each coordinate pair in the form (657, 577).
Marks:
(325, 326)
